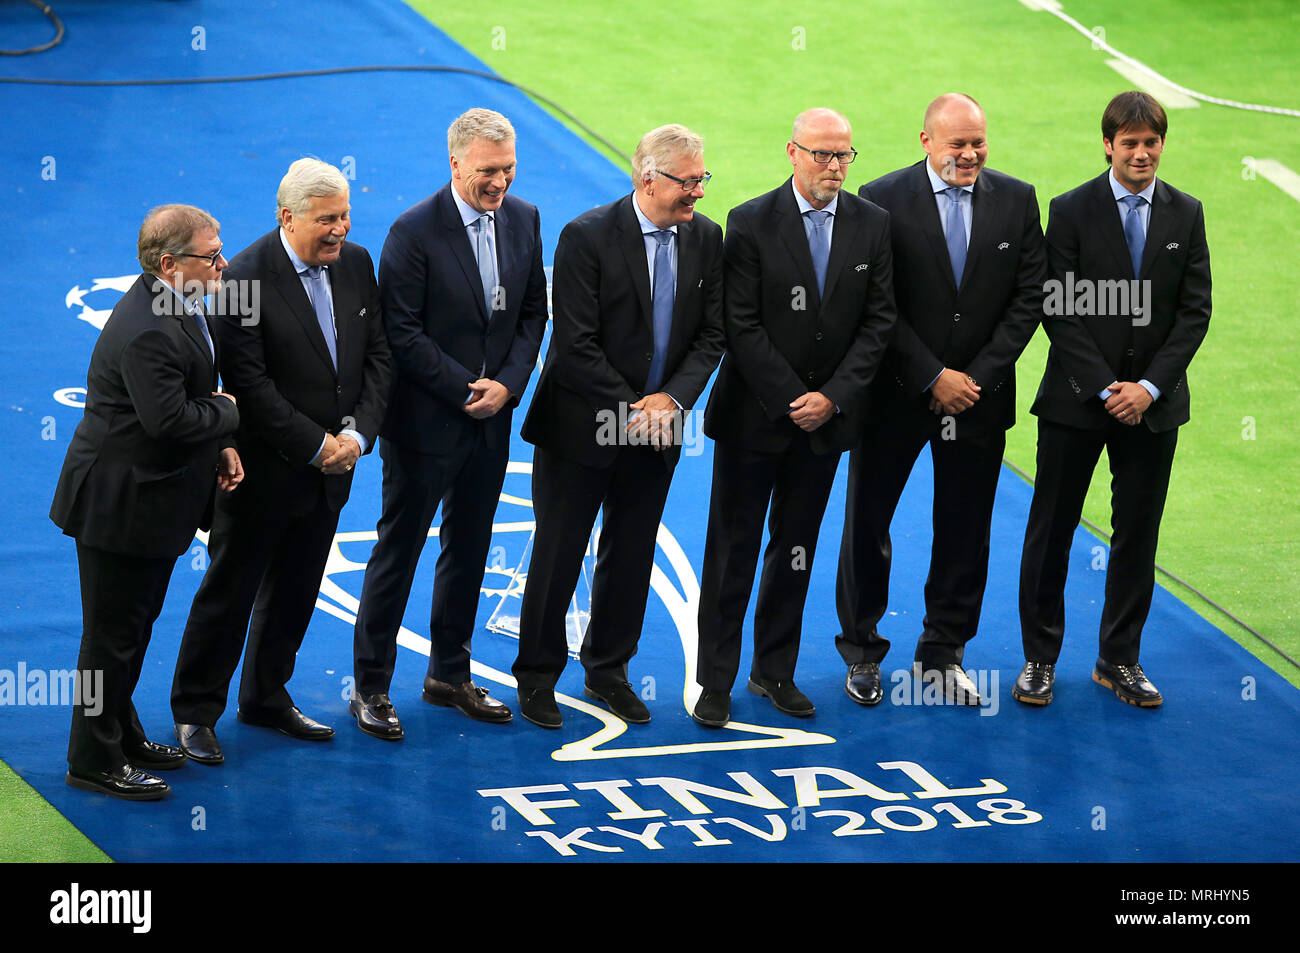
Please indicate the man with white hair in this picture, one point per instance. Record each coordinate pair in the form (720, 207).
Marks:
(637, 298)
(303, 349)
(464, 298)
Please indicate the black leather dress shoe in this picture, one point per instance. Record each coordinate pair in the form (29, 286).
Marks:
(538, 706)
(862, 684)
(199, 742)
(1034, 684)
(621, 700)
(785, 696)
(1128, 682)
(376, 716)
(468, 698)
(712, 709)
(126, 782)
(155, 757)
(290, 722)
(952, 678)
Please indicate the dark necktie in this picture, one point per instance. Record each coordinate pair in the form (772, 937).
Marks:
(663, 308)
(1133, 233)
(954, 233)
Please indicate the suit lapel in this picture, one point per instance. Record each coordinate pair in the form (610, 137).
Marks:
(925, 212)
(189, 324)
(1107, 215)
(843, 231)
(505, 248)
(983, 203)
(633, 245)
(288, 285)
(790, 227)
(1159, 227)
(458, 239)
(688, 273)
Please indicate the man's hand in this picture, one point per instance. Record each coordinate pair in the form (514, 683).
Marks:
(655, 421)
(328, 449)
(811, 411)
(953, 392)
(343, 458)
(487, 398)
(222, 393)
(1127, 402)
(230, 471)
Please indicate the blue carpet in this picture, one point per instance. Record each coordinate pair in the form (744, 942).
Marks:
(1207, 777)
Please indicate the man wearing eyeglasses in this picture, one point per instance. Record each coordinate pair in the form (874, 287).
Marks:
(637, 300)
(304, 351)
(809, 311)
(969, 266)
(138, 478)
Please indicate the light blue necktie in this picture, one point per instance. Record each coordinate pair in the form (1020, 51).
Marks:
(662, 306)
(197, 312)
(820, 246)
(954, 233)
(1133, 233)
(486, 260)
(320, 301)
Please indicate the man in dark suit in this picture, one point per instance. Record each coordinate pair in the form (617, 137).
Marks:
(637, 296)
(304, 351)
(809, 311)
(138, 478)
(968, 275)
(1128, 304)
(464, 299)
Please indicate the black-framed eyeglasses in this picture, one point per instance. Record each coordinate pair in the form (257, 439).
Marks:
(210, 259)
(824, 157)
(688, 185)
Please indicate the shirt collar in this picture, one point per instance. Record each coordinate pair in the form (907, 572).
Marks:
(647, 226)
(938, 185)
(1119, 191)
(806, 206)
(299, 265)
(191, 307)
(468, 213)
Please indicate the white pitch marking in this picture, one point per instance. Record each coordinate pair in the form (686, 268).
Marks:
(1041, 4)
(1284, 178)
(1169, 97)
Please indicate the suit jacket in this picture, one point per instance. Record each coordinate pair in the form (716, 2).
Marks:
(602, 339)
(980, 330)
(1085, 241)
(439, 329)
(276, 362)
(784, 338)
(141, 467)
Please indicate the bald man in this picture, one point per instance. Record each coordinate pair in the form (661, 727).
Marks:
(969, 267)
(809, 308)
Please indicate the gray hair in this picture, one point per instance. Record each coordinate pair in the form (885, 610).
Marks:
(477, 123)
(659, 147)
(307, 179)
(168, 230)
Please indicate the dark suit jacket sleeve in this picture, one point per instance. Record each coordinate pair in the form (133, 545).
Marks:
(764, 368)
(243, 370)
(377, 371)
(154, 376)
(1074, 346)
(996, 360)
(876, 323)
(1192, 319)
(699, 363)
(522, 357)
(402, 279)
(580, 363)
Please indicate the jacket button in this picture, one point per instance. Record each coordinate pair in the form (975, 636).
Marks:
(956, 317)
(1129, 352)
(819, 335)
(811, 377)
(338, 389)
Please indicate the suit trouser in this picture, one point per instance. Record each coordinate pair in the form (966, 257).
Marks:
(467, 482)
(566, 497)
(121, 597)
(265, 563)
(966, 471)
(1140, 463)
(797, 483)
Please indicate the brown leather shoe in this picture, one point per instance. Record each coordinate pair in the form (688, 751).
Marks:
(469, 698)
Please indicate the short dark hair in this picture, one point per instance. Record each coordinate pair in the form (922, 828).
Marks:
(1132, 110)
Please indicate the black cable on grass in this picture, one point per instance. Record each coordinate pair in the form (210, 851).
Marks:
(58, 34)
